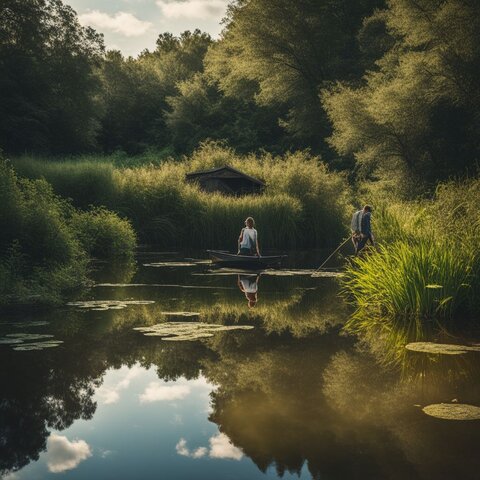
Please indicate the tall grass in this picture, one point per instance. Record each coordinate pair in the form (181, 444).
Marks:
(427, 265)
(304, 205)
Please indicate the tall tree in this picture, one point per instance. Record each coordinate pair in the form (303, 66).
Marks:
(47, 85)
(419, 108)
(281, 53)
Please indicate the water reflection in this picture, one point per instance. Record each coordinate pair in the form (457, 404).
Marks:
(248, 285)
(291, 397)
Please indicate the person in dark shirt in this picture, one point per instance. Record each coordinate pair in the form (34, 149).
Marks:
(366, 234)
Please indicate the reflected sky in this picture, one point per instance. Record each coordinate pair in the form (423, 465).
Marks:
(144, 427)
(292, 397)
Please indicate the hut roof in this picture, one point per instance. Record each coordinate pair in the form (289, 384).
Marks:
(224, 172)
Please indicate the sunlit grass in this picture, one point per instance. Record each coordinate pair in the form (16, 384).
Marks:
(304, 204)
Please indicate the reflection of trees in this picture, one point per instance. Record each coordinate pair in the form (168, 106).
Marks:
(307, 401)
(284, 400)
(51, 389)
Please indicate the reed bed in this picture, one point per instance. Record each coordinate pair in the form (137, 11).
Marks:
(303, 205)
(427, 265)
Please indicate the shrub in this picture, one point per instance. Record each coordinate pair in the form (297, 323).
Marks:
(103, 234)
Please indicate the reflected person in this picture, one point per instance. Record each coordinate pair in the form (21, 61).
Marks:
(248, 284)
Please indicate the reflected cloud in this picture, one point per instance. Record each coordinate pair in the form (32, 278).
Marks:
(157, 392)
(220, 447)
(63, 455)
(183, 450)
(111, 394)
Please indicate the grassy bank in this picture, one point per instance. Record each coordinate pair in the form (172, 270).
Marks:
(427, 265)
(45, 244)
(304, 205)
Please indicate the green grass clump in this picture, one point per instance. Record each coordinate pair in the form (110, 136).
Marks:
(88, 181)
(425, 279)
(427, 265)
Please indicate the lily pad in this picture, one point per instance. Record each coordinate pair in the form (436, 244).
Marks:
(39, 323)
(170, 264)
(102, 305)
(37, 345)
(441, 348)
(453, 411)
(327, 274)
(187, 331)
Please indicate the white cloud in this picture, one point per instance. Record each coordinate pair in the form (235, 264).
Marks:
(222, 447)
(156, 392)
(203, 9)
(111, 394)
(182, 449)
(64, 455)
(120, 22)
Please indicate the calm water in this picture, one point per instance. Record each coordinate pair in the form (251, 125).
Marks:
(291, 398)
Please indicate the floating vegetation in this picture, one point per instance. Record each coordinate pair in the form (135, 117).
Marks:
(187, 331)
(288, 273)
(327, 274)
(27, 324)
(37, 345)
(453, 411)
(103, 305)
(26, 341)
(181, 314)
(170, 264)
(162, 285)
(441, 348)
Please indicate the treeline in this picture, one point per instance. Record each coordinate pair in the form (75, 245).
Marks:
(370, 85)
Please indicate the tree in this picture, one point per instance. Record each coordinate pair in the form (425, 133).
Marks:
(47, 83)
(419, 108)
(281, 53)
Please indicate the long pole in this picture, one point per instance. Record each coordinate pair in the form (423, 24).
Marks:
(335, 251)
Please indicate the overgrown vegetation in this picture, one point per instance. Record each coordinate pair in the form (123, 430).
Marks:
(427, 265)
(42, 240)
(304, 204)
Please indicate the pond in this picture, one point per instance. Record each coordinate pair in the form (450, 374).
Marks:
(97, 389)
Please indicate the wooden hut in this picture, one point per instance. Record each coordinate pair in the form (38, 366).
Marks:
(227, 180)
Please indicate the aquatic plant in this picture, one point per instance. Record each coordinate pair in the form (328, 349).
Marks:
(425, 279)
(181, 331)
(453, 411)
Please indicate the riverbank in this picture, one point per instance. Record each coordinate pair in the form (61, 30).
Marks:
(303, 204)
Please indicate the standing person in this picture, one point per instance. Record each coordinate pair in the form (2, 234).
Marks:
(362, 229)
(248, 239)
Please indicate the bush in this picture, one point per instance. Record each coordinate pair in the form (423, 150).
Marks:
(44, 241)
(41, 255)
(103, 234)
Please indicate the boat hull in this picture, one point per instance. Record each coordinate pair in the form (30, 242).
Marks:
(245, 261)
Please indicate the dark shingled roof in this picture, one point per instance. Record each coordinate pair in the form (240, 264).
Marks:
(193, 175)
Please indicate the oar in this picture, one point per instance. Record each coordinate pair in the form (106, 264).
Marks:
(334, 252)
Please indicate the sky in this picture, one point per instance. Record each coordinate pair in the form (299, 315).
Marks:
(133, 25)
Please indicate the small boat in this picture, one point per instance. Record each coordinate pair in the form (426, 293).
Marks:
(245, 261)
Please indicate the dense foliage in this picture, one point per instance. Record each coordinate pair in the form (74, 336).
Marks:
(43, 239)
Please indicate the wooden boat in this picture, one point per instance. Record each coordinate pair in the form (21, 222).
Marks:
(245, 261)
